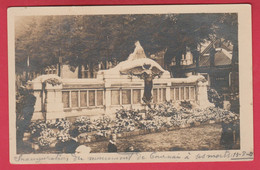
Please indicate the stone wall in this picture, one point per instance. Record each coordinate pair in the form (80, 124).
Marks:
(95, 97)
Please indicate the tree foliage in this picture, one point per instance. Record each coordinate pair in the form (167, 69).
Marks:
(89, 39)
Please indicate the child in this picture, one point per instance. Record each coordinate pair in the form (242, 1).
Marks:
(112, 144)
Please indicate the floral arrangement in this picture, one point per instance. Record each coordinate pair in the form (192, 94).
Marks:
(128, 114)
(84, 124)
(37, 127)
(47, 136)
(102, 123)
(164, 115)
(166, 109)
(62, 124)
(101, 134)
(63, 135)
(122, 125)
(82, 120)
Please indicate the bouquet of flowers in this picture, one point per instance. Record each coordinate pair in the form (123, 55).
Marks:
(128, 114)
(62, 124)
(101, 134)
(36, 128)
(82, 120)
(63, 135)
(166, 109)
(124, 125)
(102, 123)
(47, 136)
(83, 123)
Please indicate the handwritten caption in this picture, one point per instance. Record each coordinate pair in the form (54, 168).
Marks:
(135, 156)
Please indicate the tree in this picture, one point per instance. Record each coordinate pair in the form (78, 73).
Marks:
(43, 40)
(90, 39)
(227, 28)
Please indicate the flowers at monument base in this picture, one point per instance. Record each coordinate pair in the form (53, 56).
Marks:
(47, 137)
(62, 124)
(162, 116)
(128, 114)
(63, 135)
(84, 124)
(100, 134)
(82, 120)
(124, 125)
(36, 128)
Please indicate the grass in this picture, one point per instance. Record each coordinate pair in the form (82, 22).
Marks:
(204, 137)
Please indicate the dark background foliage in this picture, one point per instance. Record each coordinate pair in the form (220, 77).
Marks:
(89, 39)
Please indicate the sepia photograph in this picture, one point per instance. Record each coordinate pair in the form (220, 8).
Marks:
(130, 84)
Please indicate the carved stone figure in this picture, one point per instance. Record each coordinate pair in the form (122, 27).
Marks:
(144, 68)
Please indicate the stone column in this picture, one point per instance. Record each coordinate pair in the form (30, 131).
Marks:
(107, 97)
(54, 105)
(168, 91)
(202, 95)
(38, 93)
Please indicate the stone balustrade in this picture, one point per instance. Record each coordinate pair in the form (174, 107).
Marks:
(95, 97)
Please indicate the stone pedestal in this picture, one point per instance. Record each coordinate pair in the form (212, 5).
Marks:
(202, 95)
(48, 98)
(38, 107)
(168, 91)
(54, 105)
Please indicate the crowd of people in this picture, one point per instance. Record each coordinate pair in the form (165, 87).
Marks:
(76, 144)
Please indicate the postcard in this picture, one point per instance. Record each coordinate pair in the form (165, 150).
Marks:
(116, 84)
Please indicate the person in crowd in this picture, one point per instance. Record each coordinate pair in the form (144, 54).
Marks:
(26, 115)
(112, 144)
(71, 145)
(82, 149)
(227, 136)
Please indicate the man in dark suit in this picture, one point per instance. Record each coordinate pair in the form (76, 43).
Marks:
(112, 144)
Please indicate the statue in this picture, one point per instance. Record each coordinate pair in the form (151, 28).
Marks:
(145, 69)
(148, 77)
(138, 52)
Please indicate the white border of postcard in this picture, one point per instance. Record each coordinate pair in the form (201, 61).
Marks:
(245, 85)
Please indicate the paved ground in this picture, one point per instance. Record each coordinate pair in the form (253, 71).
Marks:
(204, 137)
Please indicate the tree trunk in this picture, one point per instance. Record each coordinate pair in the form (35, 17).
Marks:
(178, 65)
(234, 69)
(80, 71)
(196, 55)
(234, 80)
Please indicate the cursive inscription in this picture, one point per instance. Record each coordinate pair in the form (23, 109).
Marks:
(136, 157)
